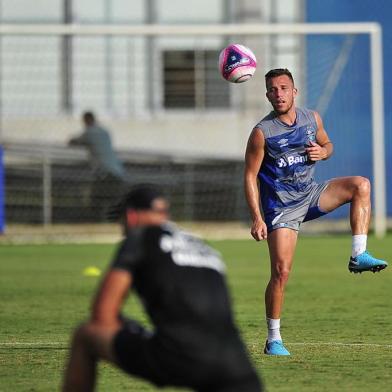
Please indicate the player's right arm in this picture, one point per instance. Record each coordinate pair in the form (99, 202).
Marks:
(253, 159)
(110, 297)
(117, 282)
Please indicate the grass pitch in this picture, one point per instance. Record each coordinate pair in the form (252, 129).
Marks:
(337, 325)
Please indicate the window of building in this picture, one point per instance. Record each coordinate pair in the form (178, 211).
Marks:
(192, 80)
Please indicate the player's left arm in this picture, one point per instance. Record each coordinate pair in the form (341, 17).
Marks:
(323, 148)
(110, 297)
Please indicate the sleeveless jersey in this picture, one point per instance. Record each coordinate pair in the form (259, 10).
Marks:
(286, 174)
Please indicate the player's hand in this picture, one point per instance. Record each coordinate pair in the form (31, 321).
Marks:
(316, 152)
(259, 230)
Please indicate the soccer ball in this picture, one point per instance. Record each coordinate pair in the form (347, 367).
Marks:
(237, 63)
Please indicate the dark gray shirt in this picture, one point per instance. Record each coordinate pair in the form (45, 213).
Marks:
(103, 158)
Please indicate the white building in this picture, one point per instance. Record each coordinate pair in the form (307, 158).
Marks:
(157, 94)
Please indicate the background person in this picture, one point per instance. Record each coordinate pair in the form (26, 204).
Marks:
(109, 173)
(281, 154)
(194, 342)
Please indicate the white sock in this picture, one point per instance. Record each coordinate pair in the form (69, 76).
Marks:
(273, 326)
(358, 244)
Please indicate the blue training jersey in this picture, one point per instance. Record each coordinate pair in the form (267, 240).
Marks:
(286, 174)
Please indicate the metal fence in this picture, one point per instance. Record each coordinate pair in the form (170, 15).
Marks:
(47, 184)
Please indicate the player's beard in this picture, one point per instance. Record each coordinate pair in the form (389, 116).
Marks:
(283, 111)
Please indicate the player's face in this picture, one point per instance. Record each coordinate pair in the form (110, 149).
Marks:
(159, 212)
(281, 93)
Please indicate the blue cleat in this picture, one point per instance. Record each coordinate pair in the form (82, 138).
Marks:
(275, 348)
(366, 262)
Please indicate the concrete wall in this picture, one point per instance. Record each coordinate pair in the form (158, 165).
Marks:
(221, 136)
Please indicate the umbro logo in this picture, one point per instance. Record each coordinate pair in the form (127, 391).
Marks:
(283, 142)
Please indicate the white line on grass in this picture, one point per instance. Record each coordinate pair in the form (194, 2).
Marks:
(33, 344)
(337, 344)
(62, 345)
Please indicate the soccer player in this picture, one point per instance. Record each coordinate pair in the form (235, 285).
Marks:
(180, 280)
(280, 159)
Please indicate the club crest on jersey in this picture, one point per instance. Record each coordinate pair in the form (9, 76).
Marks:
(291, 160)
(309, 131)
(310, 134)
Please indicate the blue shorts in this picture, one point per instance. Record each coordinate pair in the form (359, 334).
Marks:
(292, 217)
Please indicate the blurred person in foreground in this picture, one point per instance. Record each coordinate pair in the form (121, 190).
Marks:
(109, 173)
(280, 160)
(193, 342)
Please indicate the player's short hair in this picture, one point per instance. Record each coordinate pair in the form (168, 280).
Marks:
(140, 197)
(278, 72)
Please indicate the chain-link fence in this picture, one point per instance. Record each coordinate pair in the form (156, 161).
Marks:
(57, 185)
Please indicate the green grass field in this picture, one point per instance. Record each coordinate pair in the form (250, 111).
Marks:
(337, 325)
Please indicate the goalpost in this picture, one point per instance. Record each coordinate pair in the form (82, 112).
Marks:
(373, 30)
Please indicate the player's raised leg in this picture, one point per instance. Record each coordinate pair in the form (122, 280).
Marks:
(281, 243)
(356, 191)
